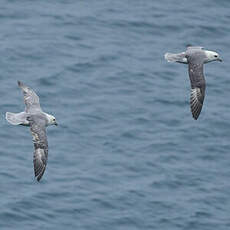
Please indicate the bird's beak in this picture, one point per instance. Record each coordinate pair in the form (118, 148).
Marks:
(56, 123)
(219, 59)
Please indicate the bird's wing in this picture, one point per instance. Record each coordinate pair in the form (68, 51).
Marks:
(194, 47)
(196, 75)
(31, 99)
(38, 130)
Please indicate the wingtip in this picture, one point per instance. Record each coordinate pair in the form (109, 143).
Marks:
(196, 115)
(39, 177)
(39, 174)
(20, 83)
(195, 118)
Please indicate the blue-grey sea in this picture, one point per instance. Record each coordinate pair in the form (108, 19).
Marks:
(127, 154)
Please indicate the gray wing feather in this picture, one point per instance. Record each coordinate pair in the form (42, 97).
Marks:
(197, 80)
(38, 130)
(31, 99)
(195, 47)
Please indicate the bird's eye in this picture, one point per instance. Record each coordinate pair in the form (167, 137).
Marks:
(54, 119)
(215, 56)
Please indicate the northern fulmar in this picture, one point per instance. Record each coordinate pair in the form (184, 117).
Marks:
(195, 57)
(37, 120)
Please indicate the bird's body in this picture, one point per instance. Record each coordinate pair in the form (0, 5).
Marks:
(195, 57)
(37, 120)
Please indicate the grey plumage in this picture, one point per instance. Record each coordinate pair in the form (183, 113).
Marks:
(31, 99)
(38, 131)
(34, 117)
(38, 122)
(195, 57)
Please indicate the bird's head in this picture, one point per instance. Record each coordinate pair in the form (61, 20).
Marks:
(212, 56)
(51, 120)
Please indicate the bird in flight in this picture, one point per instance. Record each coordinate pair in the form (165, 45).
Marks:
(37, 120)
(195, 57)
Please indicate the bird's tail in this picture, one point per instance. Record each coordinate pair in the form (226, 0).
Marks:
(15, 118)
(180, 57)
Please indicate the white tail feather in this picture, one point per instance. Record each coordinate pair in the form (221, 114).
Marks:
(176, 58)
(16, 118)
(169, 57)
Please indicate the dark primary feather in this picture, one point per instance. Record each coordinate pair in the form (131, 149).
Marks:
(197, 80)
(31, 99)
(38, 130)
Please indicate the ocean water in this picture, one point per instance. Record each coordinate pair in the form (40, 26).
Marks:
(127, 153)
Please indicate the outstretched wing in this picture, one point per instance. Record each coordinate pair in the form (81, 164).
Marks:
(38, 130)
(31, 99)
(195, 69)
(189, 47)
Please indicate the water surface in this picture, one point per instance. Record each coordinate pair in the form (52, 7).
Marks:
(127, 153)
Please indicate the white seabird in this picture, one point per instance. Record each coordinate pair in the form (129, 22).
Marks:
(195, 57)
(34, 117)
